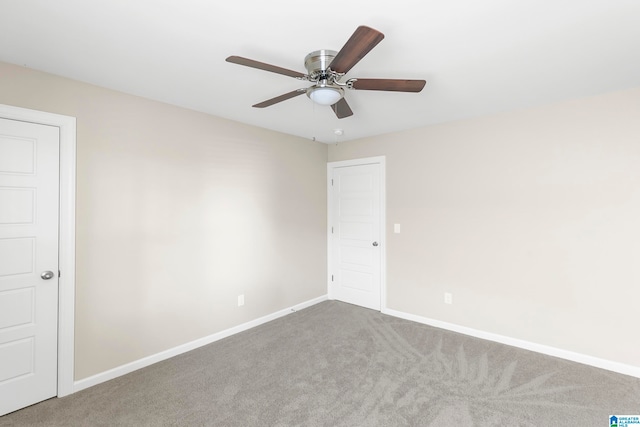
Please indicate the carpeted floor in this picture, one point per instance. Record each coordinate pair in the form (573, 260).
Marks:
(335, 364)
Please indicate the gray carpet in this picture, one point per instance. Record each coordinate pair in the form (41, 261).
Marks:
(335, 364)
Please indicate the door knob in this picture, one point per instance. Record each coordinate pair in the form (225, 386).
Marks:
(375, 243)
(46, 275)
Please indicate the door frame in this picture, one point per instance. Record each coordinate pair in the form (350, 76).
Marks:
(380, 160)
(67, 235)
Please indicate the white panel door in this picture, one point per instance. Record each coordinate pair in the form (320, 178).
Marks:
(356, 250)
(29, 187)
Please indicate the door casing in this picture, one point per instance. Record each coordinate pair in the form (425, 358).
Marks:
(67, 235)
(381, 160)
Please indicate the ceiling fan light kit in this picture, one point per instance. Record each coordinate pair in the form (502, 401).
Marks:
(325, 95)
(326, 68)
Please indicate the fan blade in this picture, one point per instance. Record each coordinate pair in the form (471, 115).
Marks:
(262, 66)
(342, 109)
(361, 42)
(280, 98)
(389, 85)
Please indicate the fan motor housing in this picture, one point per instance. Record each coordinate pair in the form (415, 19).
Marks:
(318, 62)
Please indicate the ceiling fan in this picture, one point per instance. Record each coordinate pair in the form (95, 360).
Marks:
(326, 68)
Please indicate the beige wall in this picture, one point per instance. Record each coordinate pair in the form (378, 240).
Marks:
(177, 214)
(530, 218)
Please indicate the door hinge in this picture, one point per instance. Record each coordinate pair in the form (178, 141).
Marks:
(59, 274)
(332, 182)
(332, 277)
(331, 230)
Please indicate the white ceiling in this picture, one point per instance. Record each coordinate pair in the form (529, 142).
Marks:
(478, 57)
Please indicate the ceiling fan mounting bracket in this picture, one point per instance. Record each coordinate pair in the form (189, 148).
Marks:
(317, 63)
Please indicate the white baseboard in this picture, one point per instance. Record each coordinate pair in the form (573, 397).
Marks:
(150, 360)
(609, 365)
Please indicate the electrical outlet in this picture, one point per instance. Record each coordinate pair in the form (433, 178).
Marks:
(240, 300)
(448, 298)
